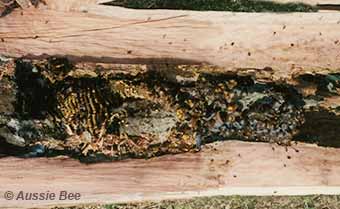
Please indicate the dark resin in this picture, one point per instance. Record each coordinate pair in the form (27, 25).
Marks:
(158, 111)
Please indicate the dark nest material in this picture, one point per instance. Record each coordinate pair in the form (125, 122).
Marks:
(7, 6)
(60, 109)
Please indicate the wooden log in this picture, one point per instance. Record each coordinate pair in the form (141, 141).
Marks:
(228, 168)
(284, 42)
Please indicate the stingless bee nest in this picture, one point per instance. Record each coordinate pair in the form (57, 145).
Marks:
(67, 109)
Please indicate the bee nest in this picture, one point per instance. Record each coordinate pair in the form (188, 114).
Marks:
(150, 112)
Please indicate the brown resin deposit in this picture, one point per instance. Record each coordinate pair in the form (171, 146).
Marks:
(103, 112)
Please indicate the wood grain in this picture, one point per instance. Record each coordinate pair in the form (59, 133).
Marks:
(284, 42)
(226, 168)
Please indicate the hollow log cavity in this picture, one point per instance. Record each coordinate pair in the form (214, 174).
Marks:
(53, 107)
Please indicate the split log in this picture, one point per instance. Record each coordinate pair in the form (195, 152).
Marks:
(231, 168)
(288, 44)
(284, 42)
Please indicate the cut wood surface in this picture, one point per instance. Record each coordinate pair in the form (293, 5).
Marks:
(284, 42)
(226, 168)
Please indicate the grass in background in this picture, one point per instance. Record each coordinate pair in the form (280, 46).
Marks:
(242, 202)
(215, 5)
(232, 202)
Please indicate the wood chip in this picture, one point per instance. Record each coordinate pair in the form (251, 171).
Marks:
(24, 3)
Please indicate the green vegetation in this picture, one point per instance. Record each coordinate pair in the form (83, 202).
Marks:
(216, 5)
